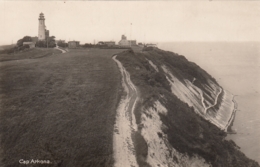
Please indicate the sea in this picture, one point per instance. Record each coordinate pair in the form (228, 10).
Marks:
(236, 67)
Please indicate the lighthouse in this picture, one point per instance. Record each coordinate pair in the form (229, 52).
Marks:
(41, 31)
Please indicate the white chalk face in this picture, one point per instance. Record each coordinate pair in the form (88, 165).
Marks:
(235, 65)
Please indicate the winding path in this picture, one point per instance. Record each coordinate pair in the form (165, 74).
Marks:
(63, 51)
(124, 151)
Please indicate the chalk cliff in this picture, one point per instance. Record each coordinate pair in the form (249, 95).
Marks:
(182, 113)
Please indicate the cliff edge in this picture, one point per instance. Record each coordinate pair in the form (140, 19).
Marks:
(182, 114)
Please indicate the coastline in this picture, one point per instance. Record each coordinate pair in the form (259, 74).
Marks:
(232, 118)
(243, 125)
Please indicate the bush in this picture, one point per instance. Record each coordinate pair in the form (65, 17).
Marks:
(24, 39)
(41, 44)
(63, 45)
(25, 47)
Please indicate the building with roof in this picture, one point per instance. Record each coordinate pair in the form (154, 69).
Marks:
(132, 42)
(30, 44)
(110, 43)
(73, 44)
(125, 42)
(106, 43)
(151, 45)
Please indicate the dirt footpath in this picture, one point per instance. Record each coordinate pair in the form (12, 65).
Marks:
(124, 151)
(59, 108)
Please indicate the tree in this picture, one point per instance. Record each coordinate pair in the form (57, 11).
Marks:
(24, 39)
(61, 44)
(51, 42)
(41, 44)
(86, 45)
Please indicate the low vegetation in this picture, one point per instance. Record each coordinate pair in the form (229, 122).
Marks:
(181, 67)
(5, 49)
(48, 43)
(104, 46)
(59, 108)
(20, 46)
(33, 53)
(187, 132)
(62, 108)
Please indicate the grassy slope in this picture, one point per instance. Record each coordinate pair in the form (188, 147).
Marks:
(33, 53)
(59, 108)
(7, 48)
(3, 47)
(183, 69)
(187, 132)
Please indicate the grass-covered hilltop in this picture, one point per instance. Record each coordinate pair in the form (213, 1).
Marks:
(100, 107)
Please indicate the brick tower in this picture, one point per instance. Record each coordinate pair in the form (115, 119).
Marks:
(41, 31)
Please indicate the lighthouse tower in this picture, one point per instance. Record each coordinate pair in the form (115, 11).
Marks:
(41, 31)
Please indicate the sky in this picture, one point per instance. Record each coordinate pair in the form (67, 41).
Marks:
(144, 21)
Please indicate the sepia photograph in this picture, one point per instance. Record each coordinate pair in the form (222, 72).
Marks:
(130, 83)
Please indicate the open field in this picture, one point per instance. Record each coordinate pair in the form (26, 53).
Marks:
(59, 107)
(33, 53)
(2, 47)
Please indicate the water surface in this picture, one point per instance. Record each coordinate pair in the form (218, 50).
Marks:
(236, 67)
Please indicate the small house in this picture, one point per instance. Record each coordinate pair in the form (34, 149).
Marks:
(110, 43)
(151, 45)
(30, 44)
(73, 44)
